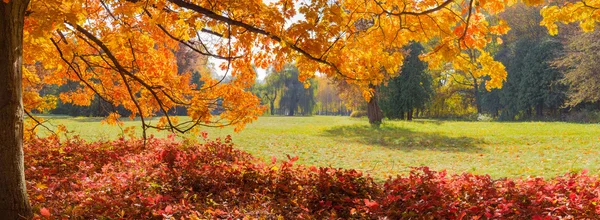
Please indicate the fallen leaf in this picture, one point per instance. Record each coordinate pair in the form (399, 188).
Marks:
(44, 211)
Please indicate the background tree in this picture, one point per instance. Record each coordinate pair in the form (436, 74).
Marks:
(274, 83)
(350, 94)
(284, 89)
(532, 85)
(408, 91)
(328, 99)
(451, 98)
(581, 70)
(295, 98)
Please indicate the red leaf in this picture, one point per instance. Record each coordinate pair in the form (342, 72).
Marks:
(169, 209)
(371, 204)
(572, 196)
(44, 211)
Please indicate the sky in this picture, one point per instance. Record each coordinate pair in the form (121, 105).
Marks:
(261, 73)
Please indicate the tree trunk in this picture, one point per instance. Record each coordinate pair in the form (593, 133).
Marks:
(477, 96)
(272, 102)
(14, 203)
(409, 115)
(539, 110)
(373, 111)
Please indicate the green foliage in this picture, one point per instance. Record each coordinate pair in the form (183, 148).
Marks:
(412, 89)
(533, 86)
(294, 98)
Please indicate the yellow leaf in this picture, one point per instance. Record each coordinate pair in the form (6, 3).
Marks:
(533, 2)
(41, 186)
(588, 25)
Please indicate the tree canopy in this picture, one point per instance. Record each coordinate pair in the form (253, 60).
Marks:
(123, 51)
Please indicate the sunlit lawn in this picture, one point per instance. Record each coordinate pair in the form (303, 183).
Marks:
(495, 148)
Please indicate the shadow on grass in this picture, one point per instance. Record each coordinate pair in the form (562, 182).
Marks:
(403, 139)
(428, 121)
(87, 119)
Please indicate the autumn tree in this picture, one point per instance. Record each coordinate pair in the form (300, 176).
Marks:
(123, 51)
(328, 99)
(350, 94)
(450, 97)
(13, 199)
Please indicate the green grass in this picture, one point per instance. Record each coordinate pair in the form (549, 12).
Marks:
(499, 149)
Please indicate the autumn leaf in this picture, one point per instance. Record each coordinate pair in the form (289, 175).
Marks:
(169, 209)
(45, 212)
(371, 204)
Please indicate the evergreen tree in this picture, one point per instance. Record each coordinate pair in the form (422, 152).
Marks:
(532, 85)
(411, 90)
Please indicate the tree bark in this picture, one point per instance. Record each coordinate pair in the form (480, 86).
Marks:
(539, 110)
(272, 102)
(373, 111)
(14, 203)
(477, 96)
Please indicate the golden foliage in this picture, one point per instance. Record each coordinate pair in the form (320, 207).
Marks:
(124, 50)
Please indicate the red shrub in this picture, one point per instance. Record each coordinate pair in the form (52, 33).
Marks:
(127, 179)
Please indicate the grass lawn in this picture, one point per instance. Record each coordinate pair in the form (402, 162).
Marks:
(496, 148)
